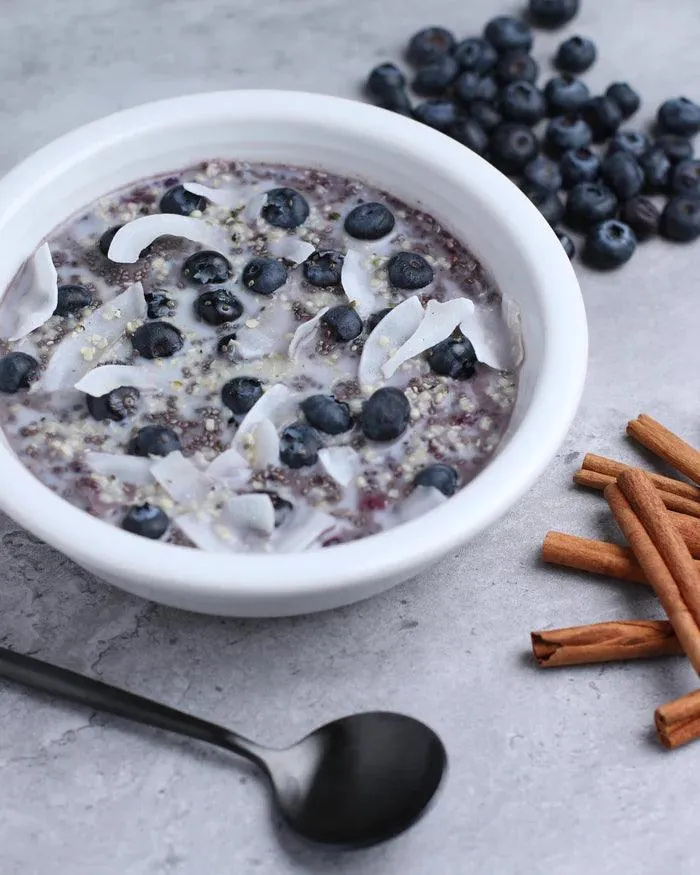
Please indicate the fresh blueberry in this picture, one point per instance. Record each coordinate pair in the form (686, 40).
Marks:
(543, 173)
(486, 114)
(327, 414)
(487, 89)
(680, 219)
(429, 45)
(17, 371)
(622, 173)
(470, 134)
(588, 204)
(609, 244)
(547, 202)
(218, 306)
(685, 178)
(155, 340)
(105, 240)
(370, 221)
(517, 67)
(434, 79)
(567, 132)
(444, 478)
(522, 102)
(207, 267)
(453, 357)
(299, 446)
(677, 148)
(385, 414)
(475, 54)
(576, 54)
(372, 321)
(226, 346)
(642, 217)
(625, 97)
(323, 268)
(154, 440)
(343, 322)
(466, 86)
(603, 116)
(508, 34)
(513, 146)
(181, 202)
(264, 275)
(285, 208)
(679, 116)
(565, 95)
(579, 165)
(408, 270)
(115, 405)
(159, 304)
(386, 85)
(657, 170)
(637, 143)
(241, 393)
(71, 299)
(552, 13)
(567, 243)
(147, 520)
(438, 114)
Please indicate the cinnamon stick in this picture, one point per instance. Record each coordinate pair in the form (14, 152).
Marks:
(689, 529)
(597, 557)
(665, 444)
(604, 642)
(678, 503)
(612, 468)
(678, 722)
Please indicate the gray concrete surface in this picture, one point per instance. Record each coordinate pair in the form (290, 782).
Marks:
(554, 773)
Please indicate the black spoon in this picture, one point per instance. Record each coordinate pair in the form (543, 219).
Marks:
(353, 782)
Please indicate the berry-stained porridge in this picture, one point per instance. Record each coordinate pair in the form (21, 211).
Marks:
(255, 357)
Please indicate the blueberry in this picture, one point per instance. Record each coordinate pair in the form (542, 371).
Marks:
(159, 304)
(622, 173)
(299, 446)
(434, 79)
(327, 414)
(576, 54)
(370, 221)
(588, 204)
(677, 148)
(181, 202)
(282, 507)
(241, 393)
(115, 405)
(441, 477)
(408, 270)
(508, 34)
(147, 520)
(567, 243)
(71, 299)
(372, 321)
(285, 208)
(154, 440)
(469, 133)
(487, 89)
(579, 165)
(438, 114)
(155, 340)
(657, 170)
(217, 307)
(430, 44)
(603, 116)
(485, 114)
(226, 346)
(543, 173)
(386, 86)
(17, 371)
(637, 143)
(552, 13)
(513, 146)
(679, 116)
(517, 67)
(207, 267)
(466, 86)
(385, 414)
(323, 268)
(343, 323)
(105, 240)
(685, 177)
(453, 357)
(264, 275)
(680, 219)
(522, 102)
(475, 54)
(642, 217)
(566, 132)
(625, 97)
(609, 244)
(547, 202)
(565, 95)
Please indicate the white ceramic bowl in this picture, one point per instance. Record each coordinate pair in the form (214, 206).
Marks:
(474, 201)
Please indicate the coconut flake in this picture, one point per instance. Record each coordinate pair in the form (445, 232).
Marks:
(303, 529)
(32, 299)
(127, 469)
(104, 378)
(422, 500)
(222, 197)
(342, 463)
(201, 532)
(278, 404)
(229, 466)
(305, 332)
(131, 239)
(512, 316)
(182, 480)
(254, 206)
(266, 445)
(438, 323)
(291, 249)
(485, 342)
(393, 331)
(254, 511)
(355, 282)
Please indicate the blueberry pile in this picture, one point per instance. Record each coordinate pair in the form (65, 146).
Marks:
(566, 149)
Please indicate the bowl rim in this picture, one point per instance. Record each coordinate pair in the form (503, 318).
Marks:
(101, 546)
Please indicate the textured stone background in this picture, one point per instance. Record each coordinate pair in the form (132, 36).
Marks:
(553, 773)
